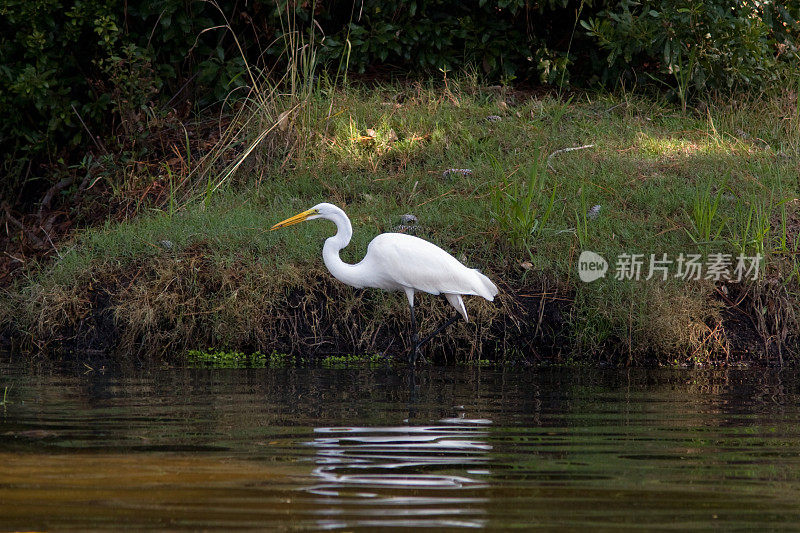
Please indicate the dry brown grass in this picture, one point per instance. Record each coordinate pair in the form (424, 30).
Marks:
(164, 306)
(685, 321)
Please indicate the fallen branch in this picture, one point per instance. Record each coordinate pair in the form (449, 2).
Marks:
(566, 150)
(97, 142)
(51, 242)
(51, 192)
(27, 232)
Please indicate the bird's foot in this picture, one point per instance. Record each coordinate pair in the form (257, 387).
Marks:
(415, 354)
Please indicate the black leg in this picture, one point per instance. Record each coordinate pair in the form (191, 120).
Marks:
(436, 332)
(412, 356)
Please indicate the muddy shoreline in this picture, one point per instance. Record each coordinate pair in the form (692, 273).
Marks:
(527, 325)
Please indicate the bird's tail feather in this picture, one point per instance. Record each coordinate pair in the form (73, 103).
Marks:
(456, 301)
(487, 289)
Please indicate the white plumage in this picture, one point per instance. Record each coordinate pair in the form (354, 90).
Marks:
(397, 262)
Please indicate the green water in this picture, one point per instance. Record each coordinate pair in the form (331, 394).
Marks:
(313, 448)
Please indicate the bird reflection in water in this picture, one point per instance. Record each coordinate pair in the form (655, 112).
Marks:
(405, 476)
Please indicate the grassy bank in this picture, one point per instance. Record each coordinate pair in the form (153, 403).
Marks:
(203, 271)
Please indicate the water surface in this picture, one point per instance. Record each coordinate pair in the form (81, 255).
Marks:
(312, 448)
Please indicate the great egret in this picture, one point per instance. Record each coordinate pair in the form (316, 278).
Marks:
(398, 262)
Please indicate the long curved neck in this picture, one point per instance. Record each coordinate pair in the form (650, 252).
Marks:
(342, 271)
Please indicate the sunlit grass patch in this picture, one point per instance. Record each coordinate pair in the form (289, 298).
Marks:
(687, 144)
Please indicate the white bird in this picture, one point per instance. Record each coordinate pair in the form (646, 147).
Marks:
(398, 262)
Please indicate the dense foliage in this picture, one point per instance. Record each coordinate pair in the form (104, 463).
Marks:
(503, 39)
(74, 74)
(68, 68)
(708, 44)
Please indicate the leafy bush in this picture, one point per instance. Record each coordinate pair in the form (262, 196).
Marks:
(70, 67)
(76, 74)
(430, 35)
(698, 44)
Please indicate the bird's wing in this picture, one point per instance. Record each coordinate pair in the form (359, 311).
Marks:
(416, 263)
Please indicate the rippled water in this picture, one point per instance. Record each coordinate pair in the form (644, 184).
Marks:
(312, 448)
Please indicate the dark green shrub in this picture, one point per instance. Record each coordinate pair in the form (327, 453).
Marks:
(503, 38)
(69, 67)
(698, 44)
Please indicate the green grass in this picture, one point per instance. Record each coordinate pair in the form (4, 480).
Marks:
(236, 359)
(667, 181)
(704, 219)
(345, 361)
(5, 401)
(522, 205)
(225, 359)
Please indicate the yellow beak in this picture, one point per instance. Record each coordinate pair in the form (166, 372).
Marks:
(300, 217)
